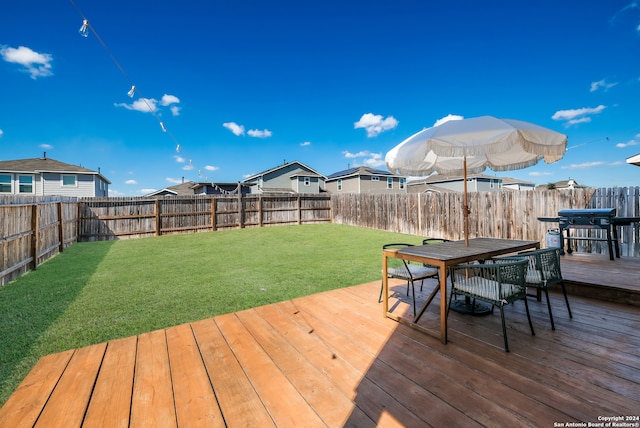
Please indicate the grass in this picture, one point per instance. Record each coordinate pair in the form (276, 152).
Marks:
(100, 291)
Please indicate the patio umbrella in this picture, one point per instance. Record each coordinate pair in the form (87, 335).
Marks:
(458, 147)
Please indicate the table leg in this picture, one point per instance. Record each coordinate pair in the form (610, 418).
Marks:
(385, 285)
(443, 304)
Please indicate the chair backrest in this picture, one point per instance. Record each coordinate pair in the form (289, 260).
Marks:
(546, 262)
(393, 262)
(427, 241)
(497, 279)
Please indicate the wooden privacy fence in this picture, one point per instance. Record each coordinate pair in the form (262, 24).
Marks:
(31, 234)
(505, 214)
(36, 229)
(113, 218)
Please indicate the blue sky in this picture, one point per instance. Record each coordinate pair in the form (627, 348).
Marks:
(243, 86)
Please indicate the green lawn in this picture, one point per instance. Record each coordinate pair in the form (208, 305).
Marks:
(99, 291)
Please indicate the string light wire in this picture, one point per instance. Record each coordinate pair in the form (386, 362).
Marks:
(86, 25)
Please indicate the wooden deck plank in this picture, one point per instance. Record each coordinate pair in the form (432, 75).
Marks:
(195, 401)
(333, 359)
(152, 402)
(449, 379)
(110, 403)
(322, 394)
(286, 406)
(240, 404)
(25, 404)
(68, 402)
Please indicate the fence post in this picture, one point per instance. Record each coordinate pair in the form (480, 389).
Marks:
(240, 209)
(60, 227)
(299, 210)
(158, 223)
(35, 239)
(260, 210)
(213, 214)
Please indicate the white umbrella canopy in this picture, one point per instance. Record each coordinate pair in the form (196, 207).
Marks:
(458, 147)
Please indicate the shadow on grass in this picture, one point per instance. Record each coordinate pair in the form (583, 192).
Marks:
(32, 303)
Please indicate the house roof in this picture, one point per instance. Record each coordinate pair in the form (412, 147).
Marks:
(360, 170)
(440, 178)
(182, 189)
(300, 164)
(45, 164)
(188, 188)
(509, 180)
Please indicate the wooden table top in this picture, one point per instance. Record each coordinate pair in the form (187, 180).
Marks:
(457, 251)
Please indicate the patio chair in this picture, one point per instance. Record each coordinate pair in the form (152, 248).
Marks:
(543, 272)
(407, 271)
(497, 282)
(428, 241)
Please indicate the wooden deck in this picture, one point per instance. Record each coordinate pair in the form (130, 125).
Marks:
(332, 359)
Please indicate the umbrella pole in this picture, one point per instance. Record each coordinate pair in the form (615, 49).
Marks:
(465, 207)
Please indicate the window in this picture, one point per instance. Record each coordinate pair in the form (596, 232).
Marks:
(69, 180)
(5, 183)
(390, 183)
(339, 184)
(375, 178)
(25, 184)
(307, 181)
(401, 183)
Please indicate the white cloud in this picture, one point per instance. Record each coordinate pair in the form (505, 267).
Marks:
(144, 105)
(584, 165)
(175, 110)
(305, 144)
(179, 159)
(167, 100)
(375, 160)
(257, 133)
(375, 124)
(188, 167)
(447, 118)
(368, 158)
(1, 132)
(173, 180)
(131, 182)
(234, 127)
(147, 191)
(35, 63)
(211, 168)
(43, 146)
(539, 174)
(580, 115)
(115, 193)
(601, 84)
(628, 144)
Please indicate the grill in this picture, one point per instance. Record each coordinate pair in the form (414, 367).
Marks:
(603, 219)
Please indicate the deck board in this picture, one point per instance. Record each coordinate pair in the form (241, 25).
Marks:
(332, 359)
(111, 399)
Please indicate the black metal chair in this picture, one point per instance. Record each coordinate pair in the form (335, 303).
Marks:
(428, 241)
(543, 272)
(498, 281)
(407, 271)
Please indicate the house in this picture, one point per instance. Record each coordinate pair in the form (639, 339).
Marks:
(363, 179)
(475, 183)
(562, 185)
(514, 184)
(291, 177)
(46, 176)
(191, 188)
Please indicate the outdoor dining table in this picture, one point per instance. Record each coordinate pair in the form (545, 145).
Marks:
(443, 256)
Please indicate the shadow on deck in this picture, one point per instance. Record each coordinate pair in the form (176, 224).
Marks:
(332, 359)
